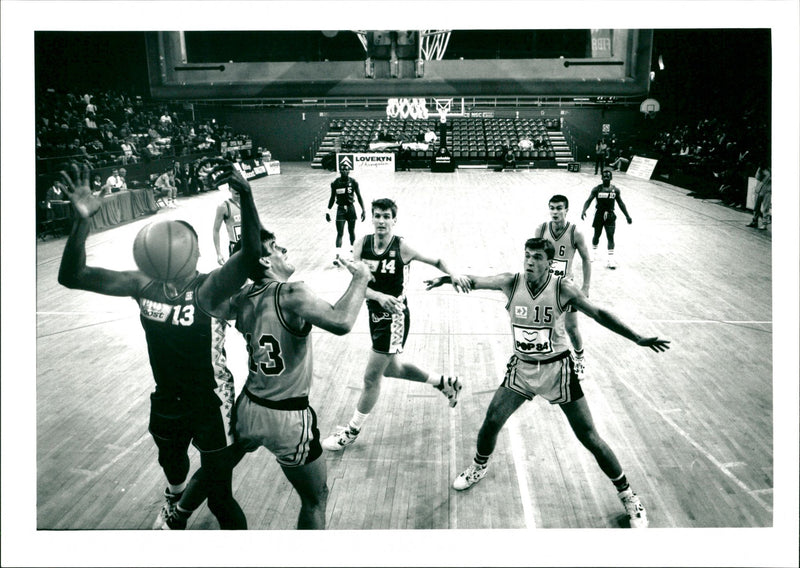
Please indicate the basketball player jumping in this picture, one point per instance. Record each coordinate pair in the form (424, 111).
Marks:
(604, 216)
(542, 364)
(194, 389)
(229, 212)
(389, 257)
(343, 191)
(567, 239)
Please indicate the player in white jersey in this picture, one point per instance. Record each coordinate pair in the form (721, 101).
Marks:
(542, 363)
(275, 317)
(567, 239)
(229, 212)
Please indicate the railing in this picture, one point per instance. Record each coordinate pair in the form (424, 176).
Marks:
(381, 102)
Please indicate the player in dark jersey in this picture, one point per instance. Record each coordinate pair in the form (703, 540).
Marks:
(542, 364)
(344, 191)
(275, 317)
(604, 217)
(194, 389)
(389, 256)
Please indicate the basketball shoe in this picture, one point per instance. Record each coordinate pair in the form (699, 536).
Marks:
(634, 508)
(168, 517)
(469, 477)
(450, 388)
(340, 439)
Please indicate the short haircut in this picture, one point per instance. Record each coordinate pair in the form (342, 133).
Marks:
(385, 204)
(541, 244)
(558, 198)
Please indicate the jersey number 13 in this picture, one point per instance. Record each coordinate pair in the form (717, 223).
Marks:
(269, 361)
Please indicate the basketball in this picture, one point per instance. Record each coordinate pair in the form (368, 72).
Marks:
(166, 250)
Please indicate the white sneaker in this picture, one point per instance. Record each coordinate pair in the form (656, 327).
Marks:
(612, 264)
(340, 439)
(469, 477)
(580, 367)
(634, 508)
(450, 387)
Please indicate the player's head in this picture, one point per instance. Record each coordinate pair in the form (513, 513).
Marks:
(559, 205)
(385, 204)
(535, 243)
(384, 215)
(344, 169)
(273, 260)
(606, 177)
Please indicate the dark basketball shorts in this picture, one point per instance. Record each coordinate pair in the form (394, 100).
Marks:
(207, 423)
(604, 219)
(554, 379)
(346, 213)
(389, 331)
(288, 431)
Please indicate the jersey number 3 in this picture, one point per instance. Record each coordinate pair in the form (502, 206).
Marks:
(269, 361)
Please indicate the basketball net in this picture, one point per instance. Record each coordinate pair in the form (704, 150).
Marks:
(443, 108)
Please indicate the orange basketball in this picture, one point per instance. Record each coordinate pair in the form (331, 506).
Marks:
(166, 250)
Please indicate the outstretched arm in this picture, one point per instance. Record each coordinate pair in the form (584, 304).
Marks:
(225, 281)
(460, 283)
(609, 320)
(73, 272)
(299, 301)
(503, 282)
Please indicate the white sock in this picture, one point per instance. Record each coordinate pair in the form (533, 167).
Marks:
(434, 379)
(358, 419)
(175, 489)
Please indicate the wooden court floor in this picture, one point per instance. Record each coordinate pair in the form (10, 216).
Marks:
(693, 427)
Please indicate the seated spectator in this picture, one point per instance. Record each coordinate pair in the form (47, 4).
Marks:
(123, 174)
(152, 151)
(97, 186)
(114, 182)
(165, 188)
(130, 155)
(56, 193)
(507, 157)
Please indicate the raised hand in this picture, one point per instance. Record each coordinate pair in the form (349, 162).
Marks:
(461, 283)
(434, 283)
(224, 172)
(356, 268)
(654, 343)
(78, 190)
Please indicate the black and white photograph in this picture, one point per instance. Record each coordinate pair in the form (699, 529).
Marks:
(510, 291)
